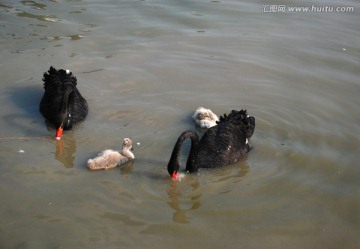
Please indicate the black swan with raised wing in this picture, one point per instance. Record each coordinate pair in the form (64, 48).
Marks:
(221, 145)
(62, 103)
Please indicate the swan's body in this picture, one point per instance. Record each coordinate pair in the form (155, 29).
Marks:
(62, 103)
(108, 159)
(204, 118)
(223, 144)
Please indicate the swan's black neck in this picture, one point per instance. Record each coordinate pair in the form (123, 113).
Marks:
(66, 105)
(174, 163)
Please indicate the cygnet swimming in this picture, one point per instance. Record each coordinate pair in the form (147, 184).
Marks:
(108, 159)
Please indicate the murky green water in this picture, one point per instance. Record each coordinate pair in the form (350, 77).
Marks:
(144, 67)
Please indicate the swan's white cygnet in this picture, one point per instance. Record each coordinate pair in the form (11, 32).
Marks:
(204, 118)
(108, 159)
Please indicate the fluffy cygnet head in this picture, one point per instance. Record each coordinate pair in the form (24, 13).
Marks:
(126, 148)
(204, 118)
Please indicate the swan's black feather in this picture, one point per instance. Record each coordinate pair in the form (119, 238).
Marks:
(62, 103)
(234, 116)
(222, 144)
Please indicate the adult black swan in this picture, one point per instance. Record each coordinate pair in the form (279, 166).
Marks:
(62, 103)
(222, 144)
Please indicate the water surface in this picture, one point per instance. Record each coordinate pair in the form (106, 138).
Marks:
(144, 67)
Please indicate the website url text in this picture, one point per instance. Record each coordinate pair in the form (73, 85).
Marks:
(272, 8)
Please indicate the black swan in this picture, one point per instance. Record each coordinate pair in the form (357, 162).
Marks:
(204, 118)
(108, 159)
(222, 144)
(62, 103)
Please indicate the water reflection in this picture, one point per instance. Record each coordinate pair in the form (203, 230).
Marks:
(34, 4)
(38, 17)
(127, 168)
(185, 196)
(182, 203)
(65, 150)
(27, 99)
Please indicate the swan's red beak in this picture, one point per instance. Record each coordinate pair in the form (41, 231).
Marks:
(175, 175)
(59, 133)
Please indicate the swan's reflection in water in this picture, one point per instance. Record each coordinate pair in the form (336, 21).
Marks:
(65, 150)
(182, 203)
(185, 196)
(127, 168)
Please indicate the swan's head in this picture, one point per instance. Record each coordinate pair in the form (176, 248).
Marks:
(173, 169)
(204, 118)
(202, 113)
(126, 147)
(127, 143)
(178, 176)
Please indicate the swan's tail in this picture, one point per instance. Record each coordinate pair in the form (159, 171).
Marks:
(58, 77)
(91, 164)
(250, 126)
(96, 164)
